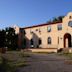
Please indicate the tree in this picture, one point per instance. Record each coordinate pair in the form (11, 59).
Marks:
(56, 19)
(11, 39)
(2, 38)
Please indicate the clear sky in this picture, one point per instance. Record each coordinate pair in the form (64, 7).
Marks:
(31, 12)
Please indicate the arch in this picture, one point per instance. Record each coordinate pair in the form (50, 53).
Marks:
(67, 40)
(49, 40)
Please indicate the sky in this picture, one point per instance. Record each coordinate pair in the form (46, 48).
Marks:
(25, 13)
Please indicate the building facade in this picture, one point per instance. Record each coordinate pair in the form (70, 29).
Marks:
(49, 36)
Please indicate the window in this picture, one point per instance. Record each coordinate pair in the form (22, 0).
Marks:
(36, 29)
(70, 23)
(39, 31)
(31, 42)
(59, 26)
(70, 17)
(40, 41)
(49, 40)
(49, 29)
(31, 32)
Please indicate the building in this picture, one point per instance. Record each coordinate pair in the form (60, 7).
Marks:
(49, 37)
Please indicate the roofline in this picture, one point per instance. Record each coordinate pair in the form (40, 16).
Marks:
(41, 25)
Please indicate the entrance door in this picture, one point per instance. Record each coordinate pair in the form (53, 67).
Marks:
(67, 40)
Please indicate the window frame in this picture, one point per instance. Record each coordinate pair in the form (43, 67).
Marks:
(49, 40)
(69, 23)
(59, 27)
(31, 42)
(49, 28)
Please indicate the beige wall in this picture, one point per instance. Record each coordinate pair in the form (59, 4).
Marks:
(54, 34)
(44, 35)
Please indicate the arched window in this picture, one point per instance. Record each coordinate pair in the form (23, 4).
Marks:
(31, 42)
(40, 41)
(49, 40)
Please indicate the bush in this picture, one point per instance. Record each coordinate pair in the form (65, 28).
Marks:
(60, 50)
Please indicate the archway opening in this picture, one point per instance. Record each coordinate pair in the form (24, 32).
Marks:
(67, 40)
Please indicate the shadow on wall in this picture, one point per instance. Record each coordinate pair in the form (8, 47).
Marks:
(27, 42)
(35, 40)
(24, 42)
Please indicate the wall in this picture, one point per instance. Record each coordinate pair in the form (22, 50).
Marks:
(54, 34)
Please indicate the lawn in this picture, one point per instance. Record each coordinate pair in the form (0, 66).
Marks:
(68, 56)
(10, 61)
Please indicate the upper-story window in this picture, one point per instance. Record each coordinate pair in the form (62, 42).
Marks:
(49, 28)
(70, 23)
(59, 27)
(39, 31)
(36, 29)
(70, 17)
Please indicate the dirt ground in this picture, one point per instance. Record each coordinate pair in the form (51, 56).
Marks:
(46, 63)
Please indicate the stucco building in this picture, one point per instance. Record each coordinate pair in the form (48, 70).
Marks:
(51, 36)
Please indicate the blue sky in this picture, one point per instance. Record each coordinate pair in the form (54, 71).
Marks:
(31, 12)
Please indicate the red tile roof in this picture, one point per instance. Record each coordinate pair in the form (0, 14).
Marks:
(41, 25)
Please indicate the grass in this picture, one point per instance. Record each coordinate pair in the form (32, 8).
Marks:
(10, 61)
(25, 54)
(69, 57)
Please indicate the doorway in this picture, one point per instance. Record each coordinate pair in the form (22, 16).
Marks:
(67, 40)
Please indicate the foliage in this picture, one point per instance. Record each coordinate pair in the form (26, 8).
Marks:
(2, 38)
(8, 39)
(56, 19)
(11, 39)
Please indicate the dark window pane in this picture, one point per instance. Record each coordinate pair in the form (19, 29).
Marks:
(31, 42)
(70, 23)
(59, 26)
(40, 41)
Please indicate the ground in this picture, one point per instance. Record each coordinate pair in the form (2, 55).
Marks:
(46, 63)
(17, 61)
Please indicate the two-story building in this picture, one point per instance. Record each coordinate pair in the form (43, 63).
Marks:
(51, 36)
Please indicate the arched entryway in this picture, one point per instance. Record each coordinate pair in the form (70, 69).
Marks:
(67, 40)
